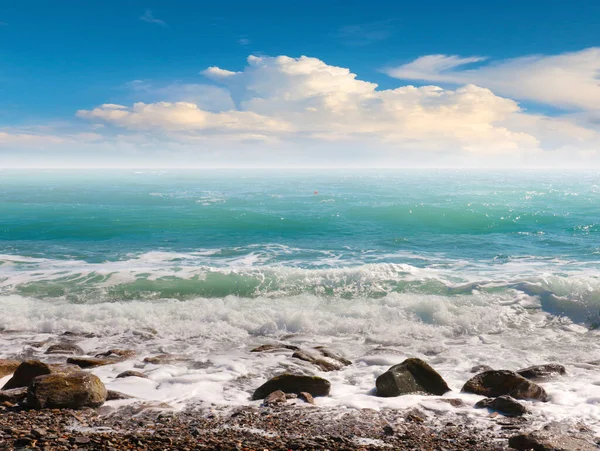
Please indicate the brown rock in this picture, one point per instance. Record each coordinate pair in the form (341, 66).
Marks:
(112, 395)
(72, 391)
(91, 362)
(306, 397)
(542, 372)
(411, 376)
(274, 347)
(121, 354)
(65, 348)
(14, 395)
(505, 405)
(550, 441)
(30, 369)
(162, 359)
(497, 383)
(131, 373)
(8, 367)
(276, 397)
(291, 383)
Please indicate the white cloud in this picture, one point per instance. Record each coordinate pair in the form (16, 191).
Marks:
(149, 17)
(568, 80)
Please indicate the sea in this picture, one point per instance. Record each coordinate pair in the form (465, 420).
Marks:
(457, 267)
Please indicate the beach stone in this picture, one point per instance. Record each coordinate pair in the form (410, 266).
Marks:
(411, 376)
(306, 397)
(542, 372)
(131, 373)
(276, 397)
(14, 395)
(323, 358)
(505, 405)
(8, 367)
(291, 383)
(72, 391)
(481, 368)
(91, 362)
(64, 348)
(162, 359)
(550, 441)
(274, 347)
(121, 354)
(501, 382)
(30, 369)
(112, 395)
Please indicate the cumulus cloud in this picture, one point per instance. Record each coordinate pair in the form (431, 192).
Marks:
(568, 80)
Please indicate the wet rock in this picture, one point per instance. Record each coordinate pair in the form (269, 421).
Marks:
(8, 367)
(120, 354)
(74, 390)
(291, 383)
(91, 362)
(411, 376)
(14, 395)
(550, 441)
(274, 347)
(306, 397)
(454, 402)
(30, 369)
(481, 368)
(131, 373)
(505, 405)
(542, 372)
(276, 397)
(497, 383)
(162, 359)
(323, 358)
(112, 395)
(65, 348)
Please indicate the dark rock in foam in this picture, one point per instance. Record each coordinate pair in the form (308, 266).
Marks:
(497, 383)
(542, 372)
(505, 405)
(291, 383)
(411, 376)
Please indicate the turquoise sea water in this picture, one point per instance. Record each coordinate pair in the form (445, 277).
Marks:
(65, 234)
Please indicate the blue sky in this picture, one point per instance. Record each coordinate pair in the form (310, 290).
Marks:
(61, 57)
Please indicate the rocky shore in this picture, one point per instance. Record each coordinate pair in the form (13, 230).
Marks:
(55, 402)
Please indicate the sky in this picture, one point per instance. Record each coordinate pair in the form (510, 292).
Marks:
(328, 83)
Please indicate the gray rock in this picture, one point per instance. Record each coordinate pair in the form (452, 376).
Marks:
(550, 441)
(324, 359)
(65, 348)
(291, 383)
(274, 347)
(276, 397)
(480, 368)
(542, 372)
(411, 376)
(505, 405)
(14, 395)
(71, 391)
(501, 382)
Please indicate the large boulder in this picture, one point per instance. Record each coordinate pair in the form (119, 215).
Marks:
(411, 376)
(70, 391)
(542, 372)
(501, 382)
(30, 369)
(291, 383)
(8, 367)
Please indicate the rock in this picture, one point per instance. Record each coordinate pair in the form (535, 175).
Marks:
(454, 402)
(497, 383)
(275, 347)
(30, 369)
(120, 354)
(112, 395)
(542, 372)
(505, 405)
(549, 441)
(291, 383)
(91, 362)
(131, 373)
(323, 358)
(411, 376)
(72, 391)
(65, 348)
(162, 359)
(14, 395)
(481, 368)
(306, 397)
(8, 367)
(276, 397)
